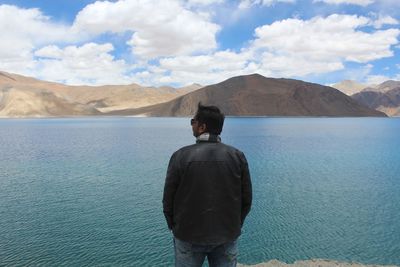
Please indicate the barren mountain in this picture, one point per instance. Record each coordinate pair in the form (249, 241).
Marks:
(385, 101)
(349, 87)
(255, 95)
(26, 103)
(22, 96)
(383, 87)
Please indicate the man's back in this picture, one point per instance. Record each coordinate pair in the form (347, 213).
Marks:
(207, 195)
(212, 192)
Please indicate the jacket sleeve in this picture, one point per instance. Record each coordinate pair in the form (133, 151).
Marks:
(170, 188)
(247, 193)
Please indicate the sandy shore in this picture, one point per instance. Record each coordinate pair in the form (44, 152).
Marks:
(313, 263)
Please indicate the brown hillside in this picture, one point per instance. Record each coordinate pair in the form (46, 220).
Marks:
(22, 96)
(25, 103)
(385, 101)
(255, 95)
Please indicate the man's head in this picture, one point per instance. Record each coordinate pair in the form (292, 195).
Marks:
(208, 119)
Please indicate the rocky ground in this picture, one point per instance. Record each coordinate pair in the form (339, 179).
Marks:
(313, 263)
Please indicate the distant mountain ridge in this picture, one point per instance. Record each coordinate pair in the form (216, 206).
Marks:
(22, 96)
(23, 103)
(250, 95)
(383, 87)
(387, 99)
(256, 95)
(383, 97)
(349, 87)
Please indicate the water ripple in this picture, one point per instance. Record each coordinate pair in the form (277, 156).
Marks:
(88, 191)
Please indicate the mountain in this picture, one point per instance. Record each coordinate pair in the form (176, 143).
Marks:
(349, 87)
(25, 103)
(22, 96)
(383, 97)
(383, 87)
(255, 95)
(386, 100)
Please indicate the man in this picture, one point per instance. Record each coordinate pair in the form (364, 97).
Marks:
(207, 195)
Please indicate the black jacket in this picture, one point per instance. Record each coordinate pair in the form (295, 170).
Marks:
(207, 193)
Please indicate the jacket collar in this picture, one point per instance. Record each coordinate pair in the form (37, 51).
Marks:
(207, 137)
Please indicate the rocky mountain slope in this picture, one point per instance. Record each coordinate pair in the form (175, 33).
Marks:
(349, 87)
(22, 96)
(313, 263)
(383, 87)
(255, 95)
(385, 99)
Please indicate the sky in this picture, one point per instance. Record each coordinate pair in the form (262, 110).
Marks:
(180, 42)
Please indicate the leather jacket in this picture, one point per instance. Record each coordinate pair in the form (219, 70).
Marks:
(207, 192)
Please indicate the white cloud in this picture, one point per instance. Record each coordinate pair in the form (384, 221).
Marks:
(182, 43)
(288, 48)
(205, 69)
(88, 64)
(331, 39)
(296, 65)
(223, 60)
(204, 2)
(21, 31)
(51, 51)
(250, 3)
(384, 20)
(377, 79)
(351, 2)
(358, 73)
(160, 28)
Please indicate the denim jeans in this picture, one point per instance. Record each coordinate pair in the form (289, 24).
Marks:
(192, 255)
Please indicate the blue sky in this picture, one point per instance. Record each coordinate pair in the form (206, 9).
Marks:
(179, 42)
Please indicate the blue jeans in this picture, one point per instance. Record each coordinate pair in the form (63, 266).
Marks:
(192, 255)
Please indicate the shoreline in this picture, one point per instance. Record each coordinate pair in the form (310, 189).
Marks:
(314, 263)
(167, 117)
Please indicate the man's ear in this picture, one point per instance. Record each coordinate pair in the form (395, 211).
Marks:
(203, 127)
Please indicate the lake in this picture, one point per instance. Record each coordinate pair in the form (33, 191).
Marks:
(87, 191)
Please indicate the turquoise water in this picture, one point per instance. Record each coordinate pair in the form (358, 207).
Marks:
(88, 191)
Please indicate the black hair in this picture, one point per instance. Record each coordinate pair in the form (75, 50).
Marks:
(211, 116)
